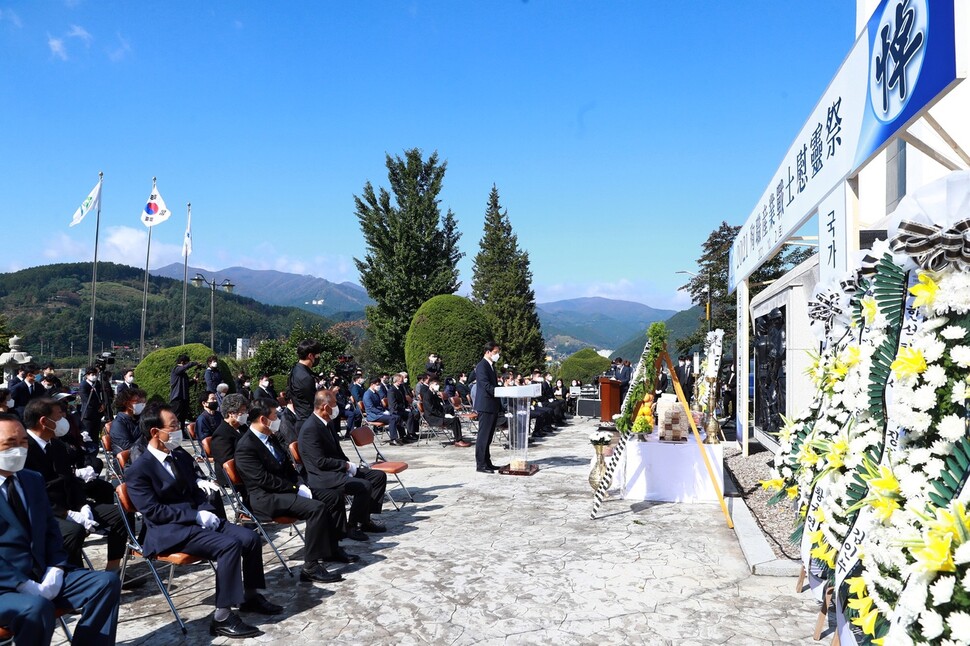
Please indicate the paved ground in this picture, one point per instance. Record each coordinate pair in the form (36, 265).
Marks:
(490, 559)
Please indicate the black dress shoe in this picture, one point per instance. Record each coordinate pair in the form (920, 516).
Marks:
(373, 527)
(354, 534)
(317, 573)
(261, 606)
(232, 626)
(341, 555)
(413, 437)
(485, 469)
(493, 467)
(396, 443)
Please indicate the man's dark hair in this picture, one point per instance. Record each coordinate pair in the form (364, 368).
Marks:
(205, 396)
(90, 370)
(489, 347)
(211, 358)
(127, 396)
(182, 358)
(308, 347)
(50, 366)
(151, 418)
(262, 407)
(37, 408)
(374, 380)
(10, 417)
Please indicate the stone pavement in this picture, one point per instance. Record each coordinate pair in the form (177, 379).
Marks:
(491, 559)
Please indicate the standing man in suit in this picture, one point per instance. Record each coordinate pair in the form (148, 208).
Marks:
(26, 390)
(35, 577)
(128, 381)
(486, 406)
(92, 402)
(178, 381)
(624, 373)
(329, 468)
(178, 517)
(275, 489)
(212, 375)
(302, 383)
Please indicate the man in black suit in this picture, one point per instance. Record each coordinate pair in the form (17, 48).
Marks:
(179, 383)
(80, 501)
(26, 390)
(265, 388)
(486, 406)
(274, 489)
(35, 577)
(92, 402)
(302, 383)
(178, 517)
(435, 413)
(329, 468)
(397, 404)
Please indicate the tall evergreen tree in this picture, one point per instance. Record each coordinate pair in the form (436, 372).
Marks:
(412, 251)
(502, 285)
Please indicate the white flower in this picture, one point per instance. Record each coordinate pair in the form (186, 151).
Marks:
(934, 467)
(953, 332)
(959, 623)
(924, 398)
(932, 348)
(932, 624)
(965, 582)
(962, 554)
(951, 428)
(959, 392)
(961, 356)
(935, 376)
(942, 590)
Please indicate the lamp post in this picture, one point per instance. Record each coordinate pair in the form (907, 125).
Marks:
(227, 285)
(707, 290)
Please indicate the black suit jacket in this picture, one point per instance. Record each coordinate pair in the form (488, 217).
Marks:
(169, 506)
(486, 379)
(323, 459)
(64, 489)
(434, 408)
(396, 401)
(223, 446)
(20, 394)
(264, 475)
(92, 405)
(23, 552)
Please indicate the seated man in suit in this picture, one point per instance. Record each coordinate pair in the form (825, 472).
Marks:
(35, 577)
(178, 517)
(397, 404)
(274, 489)
(375, 411)
(435, 413)
(79, 500)
(328, 468)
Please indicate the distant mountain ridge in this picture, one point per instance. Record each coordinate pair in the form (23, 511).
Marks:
(602, 323)
(311, 293)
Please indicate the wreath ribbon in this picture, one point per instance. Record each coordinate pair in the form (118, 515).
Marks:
(933, 247)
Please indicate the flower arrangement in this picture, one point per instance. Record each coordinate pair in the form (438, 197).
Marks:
(600, 438)
(645, 376)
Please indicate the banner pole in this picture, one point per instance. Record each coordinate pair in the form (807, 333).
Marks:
(185, 277)
(144, 301)
(94, 272)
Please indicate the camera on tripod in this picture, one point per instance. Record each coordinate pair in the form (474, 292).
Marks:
(346, 367)
(103, 360)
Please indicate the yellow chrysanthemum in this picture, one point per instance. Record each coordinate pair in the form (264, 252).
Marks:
(867, 622)
(869, 309)
(857, 586)
(862, 605)
(909, 363)
(792, 492)
(925, 291)
(852, 355)
(935, 554)
(772, 485)
(835, 455)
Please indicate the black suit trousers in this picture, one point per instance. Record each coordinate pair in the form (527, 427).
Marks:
(486, 429)
(367, 488)
(238, 554)
(321, 533)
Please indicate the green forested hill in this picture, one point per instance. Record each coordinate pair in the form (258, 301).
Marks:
(52, 304)
(679, 325)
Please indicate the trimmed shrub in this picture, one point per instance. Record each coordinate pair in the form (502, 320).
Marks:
(452, 327)
(583, 365)
(153, 373)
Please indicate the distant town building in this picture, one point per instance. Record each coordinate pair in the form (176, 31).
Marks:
(242, 349)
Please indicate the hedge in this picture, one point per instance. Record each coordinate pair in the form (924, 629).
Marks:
(153, 373)
(450, 326)
(583, 365)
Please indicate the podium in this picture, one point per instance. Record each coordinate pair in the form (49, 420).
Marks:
(610, 400)
(518, 401)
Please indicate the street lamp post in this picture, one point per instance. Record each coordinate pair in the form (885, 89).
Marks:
(707, 290)
(227, 285)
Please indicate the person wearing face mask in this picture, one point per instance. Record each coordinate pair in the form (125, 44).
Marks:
(6, 402)
(127, 381)
(162, 485)
(124, 427)
(179, 383)
(229, 431)
(487, 407)
(302, 382)
(212, 375)
(26, 390)
(265, 389)
(330, 471)
(36, 576)
(275, 489)
(210, 419)
(80, 501)
(435, 413)
(92, 402)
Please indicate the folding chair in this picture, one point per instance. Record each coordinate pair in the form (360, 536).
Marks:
(464, 415)
(110, 461)
(123, 459)
(199, 450)
(134, 548)
(432, 431)
(298, 461)
(59, 613)
(363, 436)
(364, 420)
(238, 506)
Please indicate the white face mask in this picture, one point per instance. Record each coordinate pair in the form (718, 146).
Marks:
(10, 403)
(13, 459)
(62, 427)
(129, 380)
(274, 425)
(435, 388)
(264, 384)
(496, 357)
(242, 418)
(174, 440)
(138, 408)
(245, 384)
(92, 380)
(213, 365)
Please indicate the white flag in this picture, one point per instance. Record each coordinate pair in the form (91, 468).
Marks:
(155, 211)
(187, 243)
(91, 203)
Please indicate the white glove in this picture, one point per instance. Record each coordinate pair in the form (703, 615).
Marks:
(86, 437)
(206, 519)
(87, 474)
(449, 416)
(304, 492)
(207, 485)
(347, 407)
(351, 469)
(30, 587)
(82, 518)
(50, 587)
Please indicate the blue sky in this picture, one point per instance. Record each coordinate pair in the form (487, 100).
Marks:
(619, 134)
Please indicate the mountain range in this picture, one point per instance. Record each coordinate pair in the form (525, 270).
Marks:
(603, 323)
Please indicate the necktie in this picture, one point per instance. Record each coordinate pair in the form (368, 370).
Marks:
(274, 451)
(175, 471)
(16, 503)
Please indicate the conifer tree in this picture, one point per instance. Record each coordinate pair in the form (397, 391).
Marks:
(412, 251)
(502, 285)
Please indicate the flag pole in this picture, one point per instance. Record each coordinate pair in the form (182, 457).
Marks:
(144, 302)
(94, 273)
(185, 277)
